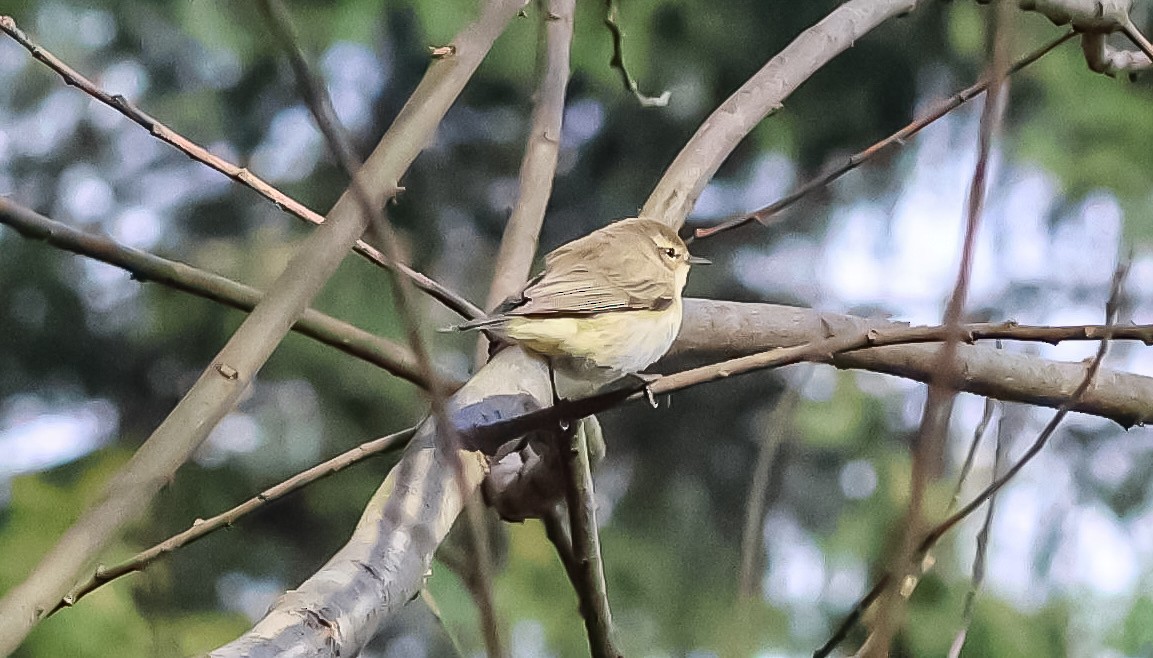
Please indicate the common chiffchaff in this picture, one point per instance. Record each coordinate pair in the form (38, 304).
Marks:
(611, 299)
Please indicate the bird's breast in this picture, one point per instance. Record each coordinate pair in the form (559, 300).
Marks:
(623, 341)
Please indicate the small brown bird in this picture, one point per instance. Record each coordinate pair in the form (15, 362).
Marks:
(611, 299)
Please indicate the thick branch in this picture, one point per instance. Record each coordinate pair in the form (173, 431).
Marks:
(518, 246)
(677, 192)
(714, 329)
(221, 384)
(384, 564)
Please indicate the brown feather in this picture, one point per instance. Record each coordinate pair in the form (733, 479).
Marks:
(577, 280)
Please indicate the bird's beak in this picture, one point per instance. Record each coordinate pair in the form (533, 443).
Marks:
(697, 260)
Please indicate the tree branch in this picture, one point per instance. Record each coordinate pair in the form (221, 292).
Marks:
(717, 329)
(929, 444)
(384, 564)
(202, 527)
(144, 267)
(233, 369)
(239, 174)
(518, 246)
(589, 578)
(763, 215)
(677, 192)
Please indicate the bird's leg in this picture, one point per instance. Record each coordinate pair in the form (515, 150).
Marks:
(564, 425)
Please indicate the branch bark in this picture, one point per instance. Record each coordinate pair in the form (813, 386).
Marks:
(384, 564)
(714, 329)
(233, 369)
(241, 175)
(674, 196)
(144, 267)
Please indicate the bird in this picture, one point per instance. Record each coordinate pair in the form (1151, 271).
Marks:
(607, 304)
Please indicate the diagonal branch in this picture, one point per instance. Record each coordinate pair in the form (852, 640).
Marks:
(929, 444)
(239, 174)
(537, 169)
(1089, 373)
(763, 215)
(685, 179)
(202, 527)
(144, 267)
(234, 368)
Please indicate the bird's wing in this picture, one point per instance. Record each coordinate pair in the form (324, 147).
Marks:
(568, 286)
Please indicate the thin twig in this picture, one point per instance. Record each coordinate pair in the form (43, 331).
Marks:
(586, 548)
(618, 60)
(967, 465)
(1111, 309)
(145, 267)
(932, 537)
(763, 215)
(929, 444)
(817, 351)
(978, 576)
(242, 175)
(776, 427)
(203, 527)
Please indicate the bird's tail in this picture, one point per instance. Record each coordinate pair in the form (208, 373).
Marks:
(479, 323)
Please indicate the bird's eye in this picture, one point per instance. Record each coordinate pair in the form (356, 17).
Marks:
(670, 252)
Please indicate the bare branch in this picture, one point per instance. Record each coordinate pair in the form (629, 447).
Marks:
(239, 174)
(202, 527)
(677, 192)
(716, 329)
(229, 374)
(144, 267)
(519, 244)
(971, 454)
(590, 576)
(320, 105)
(486, 430)
(777, 426)
(930, 540)
(978, 576)
(929, 444)
(384, 564)
(612, 22)
(763, 215)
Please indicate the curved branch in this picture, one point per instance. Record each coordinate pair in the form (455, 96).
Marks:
(685, 179)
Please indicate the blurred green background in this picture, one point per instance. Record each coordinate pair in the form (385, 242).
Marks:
(91, 361)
